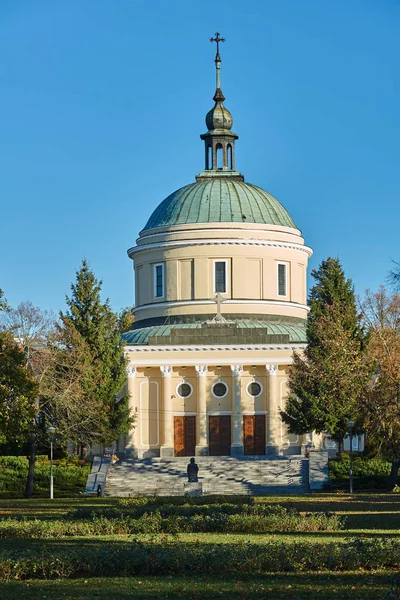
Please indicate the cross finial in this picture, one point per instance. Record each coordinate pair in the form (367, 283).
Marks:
(217, 39)
(218, 299)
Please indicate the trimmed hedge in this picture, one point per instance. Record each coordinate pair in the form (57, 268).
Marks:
(155, 523)
(369, 473)
(69, 477)
(138, 558)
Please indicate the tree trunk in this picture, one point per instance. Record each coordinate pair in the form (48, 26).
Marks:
(393, 473)
(31, 469)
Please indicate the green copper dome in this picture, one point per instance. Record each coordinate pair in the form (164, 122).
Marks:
(219, 200)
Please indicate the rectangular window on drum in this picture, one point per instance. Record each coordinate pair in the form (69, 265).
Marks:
(282, 280)
(158, 281)
(220, 276)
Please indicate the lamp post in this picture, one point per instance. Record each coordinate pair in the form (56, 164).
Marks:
(51, 431)
(350, 425)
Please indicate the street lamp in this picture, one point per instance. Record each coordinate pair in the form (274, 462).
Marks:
(350, 425)
(51, 431)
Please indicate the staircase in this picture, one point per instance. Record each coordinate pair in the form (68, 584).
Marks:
(252, 475)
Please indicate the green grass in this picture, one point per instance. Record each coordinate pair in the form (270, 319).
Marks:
(367, 515)
(321, 586)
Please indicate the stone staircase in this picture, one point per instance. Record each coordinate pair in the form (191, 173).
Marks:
(258, 475)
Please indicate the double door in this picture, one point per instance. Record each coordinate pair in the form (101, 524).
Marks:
(184, 436)
(254, 435)
(220, 435)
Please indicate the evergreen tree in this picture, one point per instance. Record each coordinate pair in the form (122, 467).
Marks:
(328, 381)
(91, 330)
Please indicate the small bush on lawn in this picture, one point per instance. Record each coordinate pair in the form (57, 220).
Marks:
(138, 558)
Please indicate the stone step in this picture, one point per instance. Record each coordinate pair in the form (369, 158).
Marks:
(218, 475)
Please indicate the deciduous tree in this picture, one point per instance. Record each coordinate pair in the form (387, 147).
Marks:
(380, 405)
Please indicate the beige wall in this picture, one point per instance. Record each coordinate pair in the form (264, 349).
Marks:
(252, 258)
(146, 390)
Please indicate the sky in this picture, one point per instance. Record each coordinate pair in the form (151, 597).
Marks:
(101, 107)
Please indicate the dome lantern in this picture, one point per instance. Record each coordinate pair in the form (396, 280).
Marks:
(219, 140)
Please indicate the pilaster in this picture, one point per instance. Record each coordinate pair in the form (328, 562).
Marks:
(237, 426)
(273, 418)
(131, 445)
(202, 448)
(167, 448)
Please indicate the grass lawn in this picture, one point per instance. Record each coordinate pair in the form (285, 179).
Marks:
(281, 586)
(367, 515)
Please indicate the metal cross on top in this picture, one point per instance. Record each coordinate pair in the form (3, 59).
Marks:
(219, 298)
(217, 39)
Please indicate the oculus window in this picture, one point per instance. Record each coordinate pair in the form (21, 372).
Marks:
(159, 281)
(184, 390)
(220, 276)
(219, 389)
(254, 389)
(282, 277)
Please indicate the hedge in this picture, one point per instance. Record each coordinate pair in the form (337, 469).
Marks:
(138, 558)
(69, 478)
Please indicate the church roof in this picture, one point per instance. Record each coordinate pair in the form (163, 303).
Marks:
(283, 332)
(219, 200)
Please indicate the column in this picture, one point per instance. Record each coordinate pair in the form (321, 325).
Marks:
(273, 417)
(131, 446)
(237, 426)
(167, 448)
(201, 418)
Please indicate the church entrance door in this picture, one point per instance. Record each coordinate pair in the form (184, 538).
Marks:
(254, 434)
(220, 435)
(184, 436)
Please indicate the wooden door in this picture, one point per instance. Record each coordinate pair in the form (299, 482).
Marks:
(254, 435)
(184, 436)
(220, 435)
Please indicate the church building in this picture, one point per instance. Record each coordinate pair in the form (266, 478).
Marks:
(221, 305)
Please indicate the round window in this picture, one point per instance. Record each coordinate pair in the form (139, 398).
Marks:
(220, 389)
(254, 389)
(184, 390)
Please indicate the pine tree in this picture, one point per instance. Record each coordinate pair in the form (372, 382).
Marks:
(90, 329)
(328, 381)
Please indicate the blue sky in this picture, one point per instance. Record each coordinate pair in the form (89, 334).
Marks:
(103, 102)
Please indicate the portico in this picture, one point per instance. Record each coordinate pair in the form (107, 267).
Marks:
(211, 405)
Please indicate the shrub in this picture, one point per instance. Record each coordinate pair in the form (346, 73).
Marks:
(139, 558)
(68, 477)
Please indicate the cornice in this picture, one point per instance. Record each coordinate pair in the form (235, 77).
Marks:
(222, 242)
(221, 348)
(241, 302)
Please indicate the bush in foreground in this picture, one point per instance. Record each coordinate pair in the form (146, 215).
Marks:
(138, 558)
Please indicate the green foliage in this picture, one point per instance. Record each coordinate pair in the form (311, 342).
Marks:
(223, 516)
(91, 329)
(18, 391)
(369, 474)
(173, 558)
(328, 381)
(339, 468)
(69, 478)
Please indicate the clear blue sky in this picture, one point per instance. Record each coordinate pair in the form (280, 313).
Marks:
(102, 104)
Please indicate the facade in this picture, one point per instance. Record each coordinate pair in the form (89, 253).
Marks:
(220, 282)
